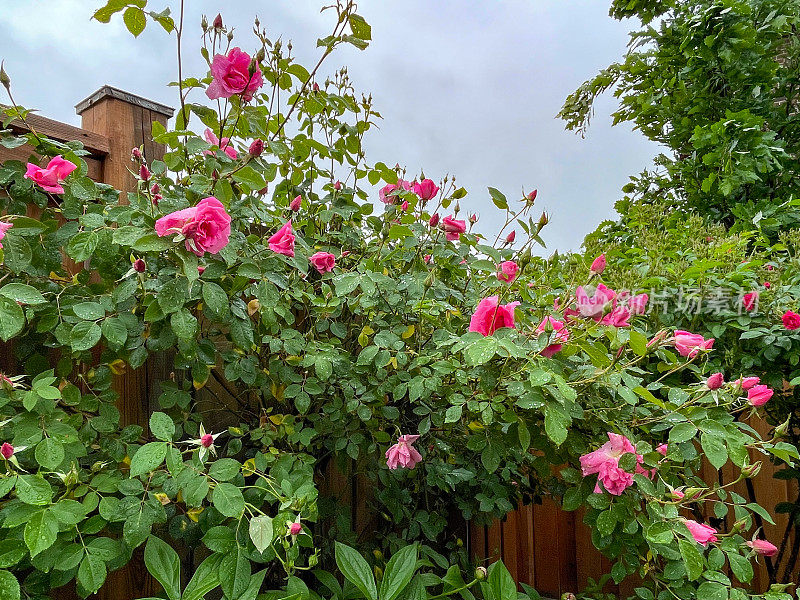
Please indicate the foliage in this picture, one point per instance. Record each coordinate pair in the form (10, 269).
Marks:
(294, 367)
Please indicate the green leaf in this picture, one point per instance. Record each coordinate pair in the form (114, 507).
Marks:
(9, 586)
(19, 292)
(41, 531)
(250, 177)
(711, 590)
(12, 319)
(228, 499)
(398, 572)
(184, 324)
(714, 449)
(82, 245)
(215, 298)
(34, 489)
(163, 563)
(135, 20)
(499, 200)
(555, 423)
(85, 335)
(92, 573)
(152, 243)
(638, 342)
(89, 311)
(224, 469)
(49, 453)
(480, 351)
(261, 532)
(356, 570)
(204, 580)
(148, 458)
(692, 559)
(501, 583)
(606, 522)
(682, 432)
(361, 29)
(741, 567)
(162, 426)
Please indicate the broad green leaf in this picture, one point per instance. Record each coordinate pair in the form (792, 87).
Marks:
(398, 573)
(261, 532)
(163, 563)
(356, 570)
(148, 458)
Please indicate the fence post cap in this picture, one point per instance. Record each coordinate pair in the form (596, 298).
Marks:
(108, 91)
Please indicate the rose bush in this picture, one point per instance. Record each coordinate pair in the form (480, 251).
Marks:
(399, 344)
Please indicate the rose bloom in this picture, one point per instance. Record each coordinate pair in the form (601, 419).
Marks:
(759, 395)
(224, 145)
(508, 271)
(323, 261)
(662, 449)
(791, 320)
(702, 533)
(232, 76)
(206, 226)
(605, 463)
(562, 335)
(595, 306)
(689, 344)
(749, 301)
(617, 317)
(3, 228)
(490, 316)
(426, 189)
(763, 547)
(403, 454)
(638, 304)
(385, 193)
(282, 241)
(453, 228)
(50, 177)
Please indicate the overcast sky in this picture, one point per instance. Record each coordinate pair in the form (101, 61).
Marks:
(466, 87)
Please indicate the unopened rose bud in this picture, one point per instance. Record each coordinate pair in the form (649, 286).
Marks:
(740, 525)
(200, 270)
(532, 196)
(434, 220)
(457, 208)
(295, 529)
(7, 450)
(144, 173)
(155, 189)
(543, 220)
(693, 493)
(218, 22)
(313, 560)
(204, 24)
(767, 284)
(207, 440)
(511, 237)
(4, 78)
(473, 218)
(480, 573)
(338, 185)
(751, 471)
(256, 148)
(315, 87)
(230, 36)
(782, 429)
(136, 154)
(404, 206)
(427, 258)
(139, 265)
(296, 204)
(260, 55)
(598, 264)
(715, 381)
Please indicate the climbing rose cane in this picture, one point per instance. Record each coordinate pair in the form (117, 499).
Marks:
(403, 453)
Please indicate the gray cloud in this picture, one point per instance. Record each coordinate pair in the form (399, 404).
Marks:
(466, 87)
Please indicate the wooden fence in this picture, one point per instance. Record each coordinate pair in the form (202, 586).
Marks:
(541, 544)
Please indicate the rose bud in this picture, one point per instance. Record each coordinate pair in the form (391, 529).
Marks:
(7, 450)
(295, 529)
(315, 87)
(715, 381)
(155, 189)
(338, 185)
(139, 265)
(511, 237)
(256, 148)
(295, 204)
(532, 196)
(217, 22)
(200, 270)
(263, 191)
(434, 220)
(473, 218)
(144, 173)
(767, 284)
(598, 264)
(136, 154)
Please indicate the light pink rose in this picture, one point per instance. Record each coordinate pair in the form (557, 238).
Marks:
(50, 177)
(702, 533)
(605, 463)
(224, 145)
(426, 189)
(690, 344)
(595, 306)
(598, 264)
(490, 316)
(508, 271)
(323, 261)
(403, 454)
(662, 449)
(759, 395)
(206, 227)
(763, 547)
(232, 76)
(3, 228)
(453, 228)
(282, 241)
(715, 381)
(561, 337)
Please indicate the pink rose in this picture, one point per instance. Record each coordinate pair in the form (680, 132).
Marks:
(295, 529)
(702, 533)
(747, 382)
(508, 271)
(767, 284)
(295, 204)
(759, 395)
(51, 177)
(404, 206)
(224, 145)
(426, 189)
(561, 337)
(256, 148)
(605, 463)
(763, 547)
(7, 450)
(232, 76)
(453, 228)
(638, 304)
(662, 449)
(427, 258)
(403, 454)
(3, 228)
(595, 306)
(323, 261)
(617, 317)
(750, 301)
(386, 194)
(338, 185)
(598, 264)
(206, 227)
(144, 173)
(715, 381)
(689, 344)
(490, 316)
(791, 320)
(770, 267)
(282, 241)
(206, 440)
(677, 495)
(200, 270)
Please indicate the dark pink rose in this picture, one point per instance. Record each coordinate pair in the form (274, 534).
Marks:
(256, 148)
(223, 144)
(205, 227)
(295, 204)
(7, 450)
(759, 395)
(3, 228)
(561, 337)
(453, 228)
(323, 261)
(763, 547)
(715, 381)
(702, 533)
(434, 220)
(511, 237)
(749, 301)
(598, 264)
(51, 177)
(490, 316)
(232, 76)
(282, 241)
(426, 189)
(791, 320)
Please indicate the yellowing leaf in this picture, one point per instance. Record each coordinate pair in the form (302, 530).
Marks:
(249, 467)
(194, 513)
(117, 366)
(409, 332)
